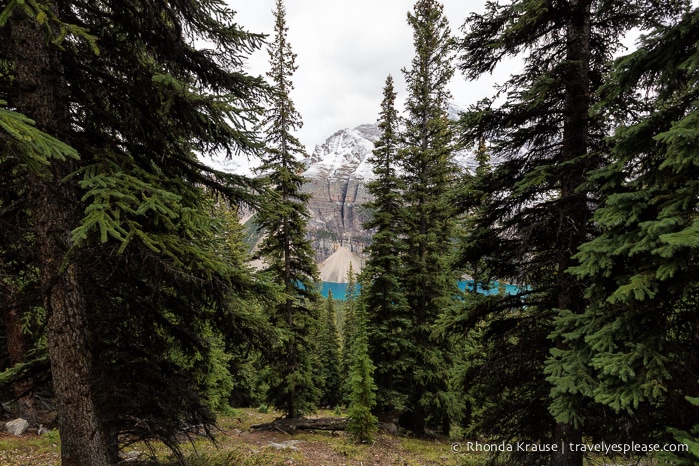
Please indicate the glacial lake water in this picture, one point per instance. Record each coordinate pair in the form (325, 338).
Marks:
(339, 290)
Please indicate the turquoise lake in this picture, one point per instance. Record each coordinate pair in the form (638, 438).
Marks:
(339, 289)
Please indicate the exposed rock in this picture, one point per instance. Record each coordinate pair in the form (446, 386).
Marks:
(337, 172)
(288, 445)
(335, 268)
(17, 426)
(337, 215)
(388, 427)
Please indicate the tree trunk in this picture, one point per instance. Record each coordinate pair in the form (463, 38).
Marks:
(565, 435)
(290, 425)
(574, 214)
(40, 94)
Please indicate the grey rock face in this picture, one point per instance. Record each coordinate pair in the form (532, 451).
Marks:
(17, 426)
(337, 172)
(337, 215)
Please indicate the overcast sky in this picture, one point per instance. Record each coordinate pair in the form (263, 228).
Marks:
(345, 49)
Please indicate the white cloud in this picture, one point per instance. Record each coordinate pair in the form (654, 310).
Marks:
(344, 51)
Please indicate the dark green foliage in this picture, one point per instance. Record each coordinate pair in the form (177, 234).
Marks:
(427, 221)
(140, 230)
(294, 387)
(157, 340)
(349, 311)
(361, 423)
(382, 295)
(408, 280)
(689, 439)
(532, 212)
(635, 349)
(329, 355)
(23, 356)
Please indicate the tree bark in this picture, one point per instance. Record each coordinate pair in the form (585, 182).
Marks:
(290, 425)
(574, 214)
(40, 93)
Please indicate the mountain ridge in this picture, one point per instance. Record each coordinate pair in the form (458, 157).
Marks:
(337, 172)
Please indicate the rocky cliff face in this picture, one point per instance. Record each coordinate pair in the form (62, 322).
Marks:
(337, 172)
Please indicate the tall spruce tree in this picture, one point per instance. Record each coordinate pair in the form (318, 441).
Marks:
(635, 347)
(382, 293)
(126, 254)
(427, 219)
(361, 423)
(536, 212)
(288, 253)
(329, 355)
(349, 310)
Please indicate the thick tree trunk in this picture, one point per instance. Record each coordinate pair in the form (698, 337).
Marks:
(55, 212)
(574, 212)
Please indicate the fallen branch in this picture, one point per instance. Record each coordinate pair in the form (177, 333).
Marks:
(290, 425)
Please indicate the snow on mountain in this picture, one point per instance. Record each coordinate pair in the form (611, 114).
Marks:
(337, 172)
(344, 154)
(238, 165)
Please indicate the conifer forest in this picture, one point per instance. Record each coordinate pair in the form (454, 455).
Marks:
(136, 310)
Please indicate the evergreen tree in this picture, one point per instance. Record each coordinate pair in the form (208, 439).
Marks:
(287, 251)
(361, 423)
(635, 348)
(349, 310)
(536, 212)
(329, 354)
(382, 295)
(690, 439)
(427, 220)
(240, 342)
(127, 256)
(20, 292)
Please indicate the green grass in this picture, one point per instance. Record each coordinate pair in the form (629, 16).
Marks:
(30, 450)
(237, 446)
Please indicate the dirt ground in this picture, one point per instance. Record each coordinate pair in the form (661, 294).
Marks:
(237, 444)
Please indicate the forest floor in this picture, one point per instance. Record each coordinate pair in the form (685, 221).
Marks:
(237, 445)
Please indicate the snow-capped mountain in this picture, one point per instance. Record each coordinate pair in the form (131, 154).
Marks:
(337, 172)
(343, 154)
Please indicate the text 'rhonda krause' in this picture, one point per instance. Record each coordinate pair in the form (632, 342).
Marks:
(602, 447)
